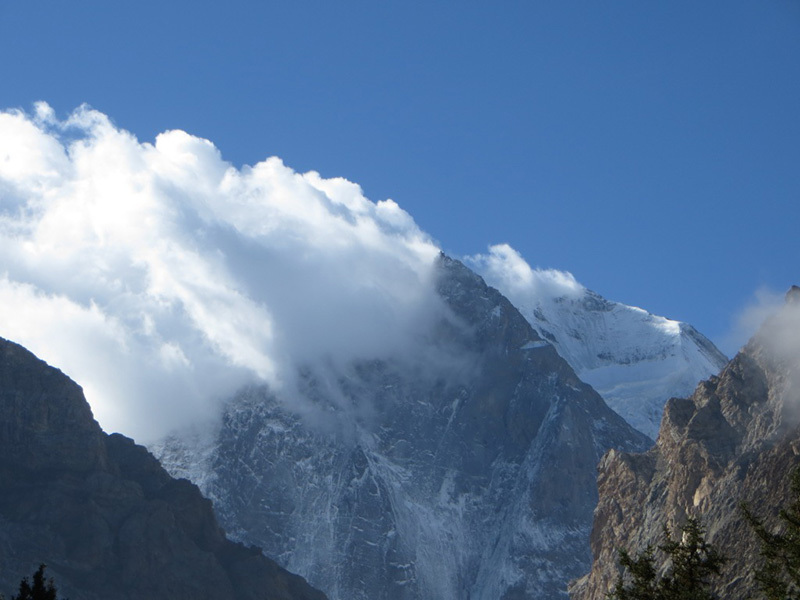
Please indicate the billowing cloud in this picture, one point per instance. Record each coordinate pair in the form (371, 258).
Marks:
(504, 268)
(160, 277)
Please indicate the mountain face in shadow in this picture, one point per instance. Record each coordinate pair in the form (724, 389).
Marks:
(417, 480)
(100, 511)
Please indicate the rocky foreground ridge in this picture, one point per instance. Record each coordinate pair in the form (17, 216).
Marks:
(736, 439)
(100, 511)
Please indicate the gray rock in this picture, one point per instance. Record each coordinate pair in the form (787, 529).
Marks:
(736, 439)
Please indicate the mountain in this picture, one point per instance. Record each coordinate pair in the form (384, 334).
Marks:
(634, 359)
(464, 472)
(736, 439)
(100, 511)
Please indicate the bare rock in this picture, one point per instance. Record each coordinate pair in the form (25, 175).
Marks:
(735, 440)
(100, 511)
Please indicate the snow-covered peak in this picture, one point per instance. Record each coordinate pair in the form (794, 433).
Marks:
(634, 359)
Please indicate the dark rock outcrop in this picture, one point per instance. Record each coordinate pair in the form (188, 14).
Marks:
(736, 439)
(100, 511)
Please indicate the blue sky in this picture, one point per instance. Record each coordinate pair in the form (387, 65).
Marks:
(652, 149)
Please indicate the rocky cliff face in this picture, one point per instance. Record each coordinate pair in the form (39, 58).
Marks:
(735, 440)
(100, 511)
(465, 477)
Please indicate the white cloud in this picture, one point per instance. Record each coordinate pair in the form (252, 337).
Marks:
(777, 342)
(505, 269)
(781, 331)
(160, 277)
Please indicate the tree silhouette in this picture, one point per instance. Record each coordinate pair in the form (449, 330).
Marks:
(39, 589)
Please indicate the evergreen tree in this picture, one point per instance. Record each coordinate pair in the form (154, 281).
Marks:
(39, 589)
(691, 563)
(694, 563)
(779, 577)
(642, 570)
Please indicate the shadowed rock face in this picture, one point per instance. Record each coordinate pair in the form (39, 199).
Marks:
(736, 439)
(100, 511)
(422, 482)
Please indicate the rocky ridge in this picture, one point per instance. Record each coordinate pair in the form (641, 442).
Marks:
(101, 512)
(735, 440)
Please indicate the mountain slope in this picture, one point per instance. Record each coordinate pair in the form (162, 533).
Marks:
(468, 473)
(735, 439)
(100, 511)
(634, 359)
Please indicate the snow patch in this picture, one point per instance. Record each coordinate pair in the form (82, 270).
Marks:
(534, 345)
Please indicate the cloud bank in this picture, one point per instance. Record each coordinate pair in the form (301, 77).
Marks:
(161, 278)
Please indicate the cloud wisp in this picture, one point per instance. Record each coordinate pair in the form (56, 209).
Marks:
(780, 333)
(777, 344)
(161, 277)
(764, 303)
(505, 268)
